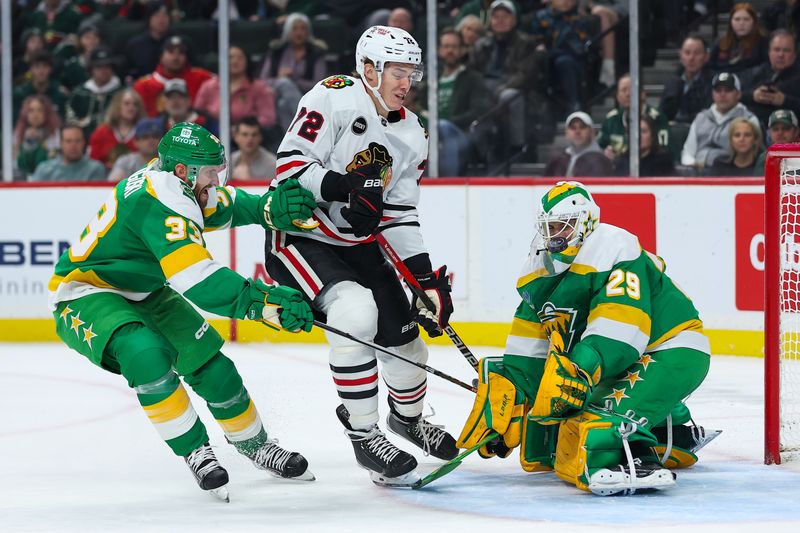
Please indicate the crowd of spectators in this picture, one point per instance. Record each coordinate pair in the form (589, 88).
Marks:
(727, 102)
(96, 82)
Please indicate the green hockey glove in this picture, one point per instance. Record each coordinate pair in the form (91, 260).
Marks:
(280, 307)
(565, 387)
(289, 207)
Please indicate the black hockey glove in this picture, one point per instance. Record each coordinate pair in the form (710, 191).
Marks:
(436, 285)
(364, 210)
(362, 189)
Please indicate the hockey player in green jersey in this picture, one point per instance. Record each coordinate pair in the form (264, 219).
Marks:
(119, 297)
(603, 349)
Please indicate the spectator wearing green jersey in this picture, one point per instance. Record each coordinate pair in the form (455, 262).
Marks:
(88, 104)
(613, 136)
(40, 81)
(73, 164)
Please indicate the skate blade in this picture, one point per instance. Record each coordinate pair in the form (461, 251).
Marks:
(221, 493)
(708, 436)
(610, 483)
(406, 481)
(308, 475)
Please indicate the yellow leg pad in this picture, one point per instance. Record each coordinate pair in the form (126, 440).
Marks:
(244, 426)
(571, 450)
(173, 416)
(536, 452)
(678, 457)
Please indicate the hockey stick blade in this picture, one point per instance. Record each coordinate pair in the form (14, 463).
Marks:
(451, 464)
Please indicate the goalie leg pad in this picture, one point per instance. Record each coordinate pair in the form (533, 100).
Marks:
(591, 442)
(572, 453)
(538, 449)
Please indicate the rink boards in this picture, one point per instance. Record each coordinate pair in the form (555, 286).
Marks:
(709, 231)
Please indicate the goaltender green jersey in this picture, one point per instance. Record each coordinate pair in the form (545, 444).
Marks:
(614, 302)
(148, 233)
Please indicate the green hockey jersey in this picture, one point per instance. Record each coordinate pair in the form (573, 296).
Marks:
(611, 305)
(148, 233)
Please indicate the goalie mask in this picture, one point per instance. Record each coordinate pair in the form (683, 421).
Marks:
(568, 215)
(382, 45)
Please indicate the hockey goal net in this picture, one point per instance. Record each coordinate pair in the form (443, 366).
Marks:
(782, 304)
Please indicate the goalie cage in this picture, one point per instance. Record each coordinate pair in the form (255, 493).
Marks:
(782, 304)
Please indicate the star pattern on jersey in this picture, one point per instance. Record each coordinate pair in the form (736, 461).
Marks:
(618, 395)
(88, 335)
(64, 313)
(645, 360)
(632, 378)
(77, 322)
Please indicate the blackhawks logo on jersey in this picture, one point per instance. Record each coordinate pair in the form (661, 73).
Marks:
(336, 82)
(561, 319)
(374, 153)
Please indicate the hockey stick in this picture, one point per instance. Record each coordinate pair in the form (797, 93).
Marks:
(380, 348)
(452, 464)
(419, 292)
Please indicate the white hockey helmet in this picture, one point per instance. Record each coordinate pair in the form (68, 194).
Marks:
(384, 44)
(568, 214)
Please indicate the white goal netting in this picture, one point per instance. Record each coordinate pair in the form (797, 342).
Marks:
(789, 301)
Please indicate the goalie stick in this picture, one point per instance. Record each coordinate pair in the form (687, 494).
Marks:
(380, 348)
(452, 464)
(413, 284)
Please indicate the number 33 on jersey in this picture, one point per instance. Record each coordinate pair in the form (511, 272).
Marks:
(153, 220)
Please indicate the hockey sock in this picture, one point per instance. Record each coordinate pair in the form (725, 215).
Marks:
(219, 383)
(406, 384)
(145, 360)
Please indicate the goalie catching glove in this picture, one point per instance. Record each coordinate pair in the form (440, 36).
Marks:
(362, 189)
(498, 407)
(565, 387)
(436, 286)
(279, 307)
(289, 207)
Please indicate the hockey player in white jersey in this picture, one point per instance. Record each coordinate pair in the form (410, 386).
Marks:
(361, 154)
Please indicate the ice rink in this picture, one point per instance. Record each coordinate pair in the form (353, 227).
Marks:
(78, 454)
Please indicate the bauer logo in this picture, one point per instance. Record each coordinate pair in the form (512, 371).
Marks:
(749, 252)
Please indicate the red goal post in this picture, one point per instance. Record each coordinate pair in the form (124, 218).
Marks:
(782, 303)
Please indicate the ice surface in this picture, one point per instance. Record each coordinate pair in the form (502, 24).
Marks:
(78, 454)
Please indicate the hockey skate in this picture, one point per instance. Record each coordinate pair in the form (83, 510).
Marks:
(690, 437)
(702, 436)
(387, 464)
(207, 471)
(282, 463)
(618, 480)
(433, 439)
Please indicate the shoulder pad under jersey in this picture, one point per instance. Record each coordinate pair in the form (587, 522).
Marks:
(607, 246)
(169, 190)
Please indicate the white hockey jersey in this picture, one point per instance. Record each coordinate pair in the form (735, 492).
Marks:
(338, 128)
